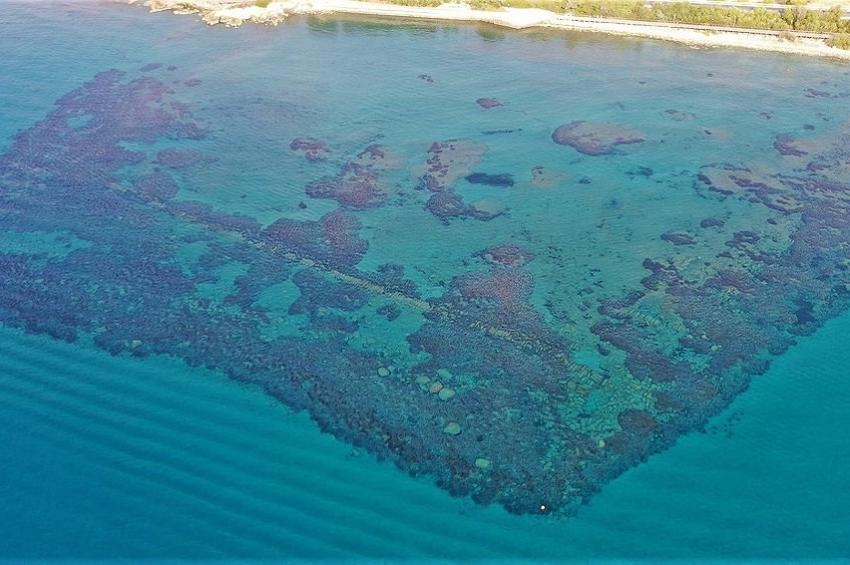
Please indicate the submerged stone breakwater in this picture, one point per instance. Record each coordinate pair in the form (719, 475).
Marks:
(480, 388)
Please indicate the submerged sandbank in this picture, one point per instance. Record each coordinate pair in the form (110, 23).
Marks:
(236, 12)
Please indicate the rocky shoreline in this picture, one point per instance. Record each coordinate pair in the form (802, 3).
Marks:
(236, 12)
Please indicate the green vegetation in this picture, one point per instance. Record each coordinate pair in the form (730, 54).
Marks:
(262, 3)
(794, 18)
(422, 3)
(839, 40)
(557, 6)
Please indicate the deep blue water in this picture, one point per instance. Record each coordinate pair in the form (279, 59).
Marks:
(117, 443)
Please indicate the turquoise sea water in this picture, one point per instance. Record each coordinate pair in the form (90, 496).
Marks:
(140, 455)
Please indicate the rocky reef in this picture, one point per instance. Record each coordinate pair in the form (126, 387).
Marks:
(482, 390)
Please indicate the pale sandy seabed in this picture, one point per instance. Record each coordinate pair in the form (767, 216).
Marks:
(234, 13)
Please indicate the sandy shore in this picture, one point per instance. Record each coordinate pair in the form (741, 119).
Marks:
(236, 12)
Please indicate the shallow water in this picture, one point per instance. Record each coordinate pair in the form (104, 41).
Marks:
(139, 454)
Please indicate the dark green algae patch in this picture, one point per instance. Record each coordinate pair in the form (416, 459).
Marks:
(482, 392)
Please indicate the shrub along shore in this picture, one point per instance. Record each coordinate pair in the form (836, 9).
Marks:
(609, 16)
(793, 18)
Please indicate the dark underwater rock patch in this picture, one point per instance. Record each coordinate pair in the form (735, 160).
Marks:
(679, 115)
(320, 296)
(355, 187)
(678, 238)
(595, 138)
(488, 103)
(777, 192)
(787, 145)
(157, 186)
(389, 311)
(358, 185)
(311, 148)
(262, 273)
(373, 154)
(448, 162)
(502, 179)
(711, 223)
(202, 212)
(815, 93)
(332, 240)
(506, 255)
(500, 131)
(640, 171)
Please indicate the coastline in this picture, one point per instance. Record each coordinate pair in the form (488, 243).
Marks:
(235, 13)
